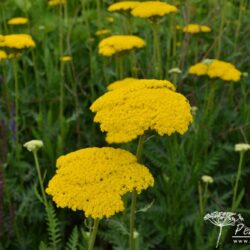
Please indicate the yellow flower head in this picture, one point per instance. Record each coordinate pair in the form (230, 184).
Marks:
(123, 6)
(18, 21)
(131, 108)
(110, 19)
(3, 55)
(17, 41)
(216, 69)
(153, 9)
(103, 32)
(136, 84)
(196, 28)
(56, 2)
(66, 58)
(118, 43)
(95, 179)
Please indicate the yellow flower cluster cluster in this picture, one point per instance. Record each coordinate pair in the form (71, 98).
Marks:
(103, 32)
(196, 28)
(18, 21)
(136, 84)
(56, 2)
(95, 179)
(66, 58)
(17, 41)
(134, 106)
(216, 69)
(3, 55)
(153, 9)
(118, 43)
(123, 6)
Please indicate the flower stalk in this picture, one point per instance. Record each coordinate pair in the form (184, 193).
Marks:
(17, 97)
(157, 50)
(235, 189)
(38, 169)
(93, 234)
(134, 196)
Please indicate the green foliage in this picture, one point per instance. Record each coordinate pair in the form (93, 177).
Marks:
(53, 227)
(72, 243)
(168, 215)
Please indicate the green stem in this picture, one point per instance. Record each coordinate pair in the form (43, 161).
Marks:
(200, 199)
(157, 50)
(222, 22)
(119, 66)
(210, 99)
(132, 221)
(140, 148)
(133, 65)
(38, 169)
(99, 17)
(235, 189)
(242, 4)
(205, 197)
(170, 34)
(134, 196)
(16, 100)
(61, 108)
(93, 234)
(6, 92)
(92, 67)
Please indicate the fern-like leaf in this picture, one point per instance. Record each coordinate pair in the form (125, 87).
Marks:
(73, 240)
(53, 227)
(43, 246)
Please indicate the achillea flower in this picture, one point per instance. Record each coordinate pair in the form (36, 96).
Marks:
(118, 43)
(103, 32)
(110, 19)
(241, 147)
(153, 9)
(66, 58)
(136, 84)
(95, 179)
(33, 145)
(175, 71)
(127, 112)
(196, 28)
(3, 55)
(123, 6)
(216, 69)
(207, 179)
(17, 41)
(18, 21)
(56, 2)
